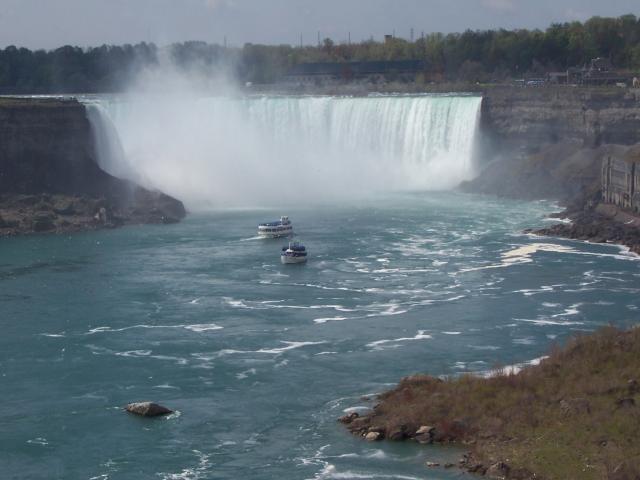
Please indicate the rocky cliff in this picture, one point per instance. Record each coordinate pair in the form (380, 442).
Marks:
(50, 181)
(550, 143)
(526, 119)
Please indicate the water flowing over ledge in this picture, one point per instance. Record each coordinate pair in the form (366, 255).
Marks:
(250, 151)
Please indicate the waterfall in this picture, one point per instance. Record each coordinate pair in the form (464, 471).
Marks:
(250, 151)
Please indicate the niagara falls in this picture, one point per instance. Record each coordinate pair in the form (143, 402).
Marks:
(238, 152)
(339, 240)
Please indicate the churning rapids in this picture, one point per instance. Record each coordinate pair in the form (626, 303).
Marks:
(258, 359)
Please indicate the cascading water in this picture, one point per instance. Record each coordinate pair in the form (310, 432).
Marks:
(212, 152)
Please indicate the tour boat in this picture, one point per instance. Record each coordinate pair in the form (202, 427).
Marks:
(294, 253)
(281, 228)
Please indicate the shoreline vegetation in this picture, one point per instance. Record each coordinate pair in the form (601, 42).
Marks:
(573, 415)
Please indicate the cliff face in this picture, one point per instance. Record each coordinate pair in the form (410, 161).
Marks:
(525, 119)
(46, 146)
(47, 160)
(549, 142)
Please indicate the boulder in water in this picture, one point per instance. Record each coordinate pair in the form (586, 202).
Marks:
(147, 409)
(373, 436)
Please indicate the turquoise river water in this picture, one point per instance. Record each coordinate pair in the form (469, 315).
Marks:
(259, 359)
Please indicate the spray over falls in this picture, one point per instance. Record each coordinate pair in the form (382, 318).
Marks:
(217, 151)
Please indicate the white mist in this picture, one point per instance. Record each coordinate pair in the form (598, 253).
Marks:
(233, 151)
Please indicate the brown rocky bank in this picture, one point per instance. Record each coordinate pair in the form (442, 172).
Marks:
(50, 180)
(549, 143)
(571, 174)
(573, 416)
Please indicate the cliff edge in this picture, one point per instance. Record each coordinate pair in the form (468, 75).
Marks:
(50, 181)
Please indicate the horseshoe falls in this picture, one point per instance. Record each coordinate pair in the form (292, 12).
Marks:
(256, 151)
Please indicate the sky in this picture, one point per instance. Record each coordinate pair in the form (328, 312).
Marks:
(53, 23)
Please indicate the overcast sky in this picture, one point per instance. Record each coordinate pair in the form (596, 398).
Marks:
(53, 23)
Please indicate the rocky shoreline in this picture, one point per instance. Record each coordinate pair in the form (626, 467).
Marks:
(61, 214)
(601, 224)
(576, 408)
(571, 174)
(572, 416)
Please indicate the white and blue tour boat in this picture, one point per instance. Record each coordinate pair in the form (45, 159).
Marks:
(282, 228)
(295, 252)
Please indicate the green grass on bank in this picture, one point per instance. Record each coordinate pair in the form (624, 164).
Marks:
(574, 416)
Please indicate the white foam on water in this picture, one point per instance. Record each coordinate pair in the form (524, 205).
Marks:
(246, 373)
(528, 292)
(219, 354)
(203, 327)
(166, 386)
(571, 310)
(522, 255)
(377, 345)
(198, 472)
(169, 358)
(38, 441)
(392, 309)
(289, 346)
(513, 369)
(329, 319)
(194, 328)
(281, 364)
(134, 353)
(546, 321)
(375, 454)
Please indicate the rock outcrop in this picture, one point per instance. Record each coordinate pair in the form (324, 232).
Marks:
(550, 143)
(147, 409)
(50, 181)
(564, 171)
(526, 119)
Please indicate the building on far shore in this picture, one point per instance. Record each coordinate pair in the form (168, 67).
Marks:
(599, 72)
(328, 73)
(621, 180)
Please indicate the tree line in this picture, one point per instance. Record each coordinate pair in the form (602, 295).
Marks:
(482, 55)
